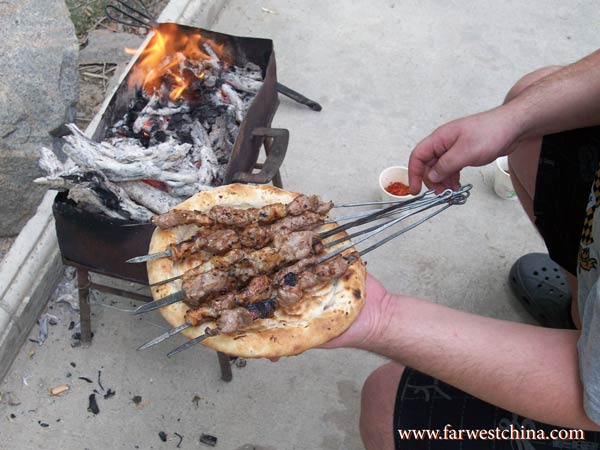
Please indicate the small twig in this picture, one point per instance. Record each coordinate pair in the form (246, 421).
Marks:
(104, 79)
(93, 75)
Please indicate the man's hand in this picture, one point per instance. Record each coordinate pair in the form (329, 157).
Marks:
(369, 319)
(472, 141)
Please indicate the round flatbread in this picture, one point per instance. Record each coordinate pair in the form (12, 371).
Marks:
(324, 312)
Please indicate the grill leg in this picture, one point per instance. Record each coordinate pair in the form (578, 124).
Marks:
(277, 182)
(85, 317)
(225, 365)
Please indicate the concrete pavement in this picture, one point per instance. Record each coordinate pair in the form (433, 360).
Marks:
(387, 73)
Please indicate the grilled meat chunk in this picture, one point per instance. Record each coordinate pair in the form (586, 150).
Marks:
(306, 221)
(292, 289)
(176, 217)
(233, 319)
(255, 236)
(313, 203)
(208, 284)
(298, 245)
(213, 241)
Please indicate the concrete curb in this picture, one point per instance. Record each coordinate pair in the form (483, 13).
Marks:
(32, 267)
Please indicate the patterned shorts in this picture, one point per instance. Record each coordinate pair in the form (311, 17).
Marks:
(422, 402)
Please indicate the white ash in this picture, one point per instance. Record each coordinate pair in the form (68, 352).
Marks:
(154, 199)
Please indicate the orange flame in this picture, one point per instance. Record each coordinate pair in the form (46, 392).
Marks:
(172, 54)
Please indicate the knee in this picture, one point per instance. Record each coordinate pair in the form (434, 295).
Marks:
(528, 80)
(378, 399)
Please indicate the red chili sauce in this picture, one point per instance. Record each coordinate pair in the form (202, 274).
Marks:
(397, 188)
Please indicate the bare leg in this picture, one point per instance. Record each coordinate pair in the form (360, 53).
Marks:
(377, 407)
(523, 163)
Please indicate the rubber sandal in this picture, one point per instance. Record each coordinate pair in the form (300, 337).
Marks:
(542, 288)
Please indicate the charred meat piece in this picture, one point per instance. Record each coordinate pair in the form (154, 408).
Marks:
(260, 288)
(176, 217)
(255, 236)
(271, 213)
(306, 221)
(313, 203)
(284, 274)
(215, 242)
(298, 245)
(237, 318)
(215, 263)
(233, 319)
(209, 283)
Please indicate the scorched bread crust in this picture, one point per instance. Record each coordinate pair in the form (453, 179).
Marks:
(323, 313)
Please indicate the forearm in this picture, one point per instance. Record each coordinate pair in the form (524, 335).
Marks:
(529, 370)
(565, 100)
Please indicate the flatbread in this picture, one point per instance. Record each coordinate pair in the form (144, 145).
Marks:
(324, 312)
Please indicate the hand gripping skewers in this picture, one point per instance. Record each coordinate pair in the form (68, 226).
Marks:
(259, 294)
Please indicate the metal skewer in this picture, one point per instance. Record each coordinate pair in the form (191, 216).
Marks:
(162, 337)
(209, 332)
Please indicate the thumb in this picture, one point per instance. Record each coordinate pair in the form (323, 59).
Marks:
(449, 164)
(435, 176)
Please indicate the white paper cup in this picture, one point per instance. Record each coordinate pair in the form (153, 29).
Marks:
(389, 176)
(502, 183)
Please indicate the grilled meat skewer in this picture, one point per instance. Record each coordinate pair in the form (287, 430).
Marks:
(218, 241)
(232, 216)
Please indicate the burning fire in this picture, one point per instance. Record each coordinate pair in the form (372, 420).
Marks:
(173, 60)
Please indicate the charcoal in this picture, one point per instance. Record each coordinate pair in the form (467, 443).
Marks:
(180, 437)
(163, 436)
(110, 393)
(208, 439)
(99, 381)
(43, 424)
(86, 379)
(137, 399)
(93, 405)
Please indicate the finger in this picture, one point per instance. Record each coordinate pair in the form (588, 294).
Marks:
(418, 164)
(448, 160)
